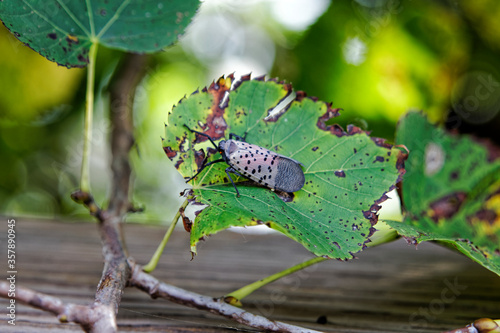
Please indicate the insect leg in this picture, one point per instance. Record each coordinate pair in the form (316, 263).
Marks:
(203, 134)
(228, 170)
(203, 166)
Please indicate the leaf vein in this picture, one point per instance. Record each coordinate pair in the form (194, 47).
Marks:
(322, 156)
(73, 17)
(114, 18)
(45, 18)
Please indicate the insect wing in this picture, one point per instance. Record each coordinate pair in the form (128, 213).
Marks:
(266, 167)
(289, 176)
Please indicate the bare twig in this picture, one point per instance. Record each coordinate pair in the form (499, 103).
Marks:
(116, 270)
(100, 318)
(66, 312)
(122, 92)
(156, 289)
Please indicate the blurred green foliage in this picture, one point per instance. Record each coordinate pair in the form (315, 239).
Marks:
(404, 55)
(374, 59)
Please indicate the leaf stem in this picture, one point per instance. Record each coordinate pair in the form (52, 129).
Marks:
(383, 236)
(89, 110)
(153, 262)
(236, 296)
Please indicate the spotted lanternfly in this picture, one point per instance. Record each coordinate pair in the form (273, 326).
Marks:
(256, 163)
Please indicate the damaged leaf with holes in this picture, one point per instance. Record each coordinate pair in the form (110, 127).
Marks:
(347, 172)
(63, 31)
(451, 191)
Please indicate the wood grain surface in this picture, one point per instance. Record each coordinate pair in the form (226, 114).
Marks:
(390, 288)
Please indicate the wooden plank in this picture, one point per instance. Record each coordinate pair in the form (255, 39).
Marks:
(391, 288)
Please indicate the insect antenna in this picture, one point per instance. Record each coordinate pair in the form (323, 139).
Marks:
(237, 137)
(205, 135)
(204, 165)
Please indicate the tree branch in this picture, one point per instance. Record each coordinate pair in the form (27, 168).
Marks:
(101, 318)
(156, 288)
(122, 91)
(86, 316)
(116, 271)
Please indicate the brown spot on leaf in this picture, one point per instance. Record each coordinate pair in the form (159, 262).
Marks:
(329, 114)
(182, 143)
(301, 95)
(170, 153)
(212, 151)
(187, 223)
(381, 142)
(487, 215)
(82, 58)
(196, 213)
(188, 193)
(340, 173)
(185, 220)
(52, 35)
(178, 163)
(242, 79)
(371, 215)
(400, 166)
(337, 245)
(351, 130)
(411, 240)
(378, 159)
(199, 157)
(239, 113)
(72, 39)
(447, 206)
(215, 125)
(315, 148)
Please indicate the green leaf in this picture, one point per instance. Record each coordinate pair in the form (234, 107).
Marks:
(451, 191)
(63, 30)
(346, 173)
